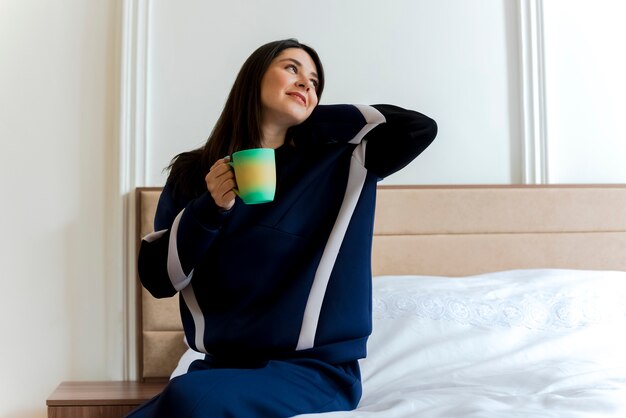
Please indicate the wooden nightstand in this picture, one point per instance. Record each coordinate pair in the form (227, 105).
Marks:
(99, 399)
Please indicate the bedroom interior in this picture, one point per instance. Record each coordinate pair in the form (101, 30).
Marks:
(515, 291)
(97, 97)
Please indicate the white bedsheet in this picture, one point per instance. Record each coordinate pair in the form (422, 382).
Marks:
(524, 343)
(560, 390)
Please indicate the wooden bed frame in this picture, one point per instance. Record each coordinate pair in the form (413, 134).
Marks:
(445, 231)
(421, 230)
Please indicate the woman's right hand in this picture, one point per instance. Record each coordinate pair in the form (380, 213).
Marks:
(220, 182)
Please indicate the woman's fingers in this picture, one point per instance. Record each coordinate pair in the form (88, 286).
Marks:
(221, 161)
(220, 183)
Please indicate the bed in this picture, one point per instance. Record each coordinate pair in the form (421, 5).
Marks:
(488, 301)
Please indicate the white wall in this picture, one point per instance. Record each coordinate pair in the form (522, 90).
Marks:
(456, 61)
(586, 90)
(61, 315)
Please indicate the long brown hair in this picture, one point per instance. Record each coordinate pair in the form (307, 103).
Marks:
(239, 125)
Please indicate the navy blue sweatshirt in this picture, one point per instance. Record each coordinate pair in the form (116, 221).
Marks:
(290, 278)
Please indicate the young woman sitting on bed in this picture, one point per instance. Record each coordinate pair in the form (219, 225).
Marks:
(277, 295)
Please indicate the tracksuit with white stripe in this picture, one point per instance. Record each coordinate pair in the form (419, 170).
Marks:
(278, 295)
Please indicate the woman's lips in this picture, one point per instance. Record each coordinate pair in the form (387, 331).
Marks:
(299, 97)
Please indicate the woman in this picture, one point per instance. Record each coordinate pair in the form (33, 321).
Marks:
(277, 295)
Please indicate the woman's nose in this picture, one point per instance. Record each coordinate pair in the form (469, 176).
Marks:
(303, 84)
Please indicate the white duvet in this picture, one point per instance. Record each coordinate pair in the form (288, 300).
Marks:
(523, 343)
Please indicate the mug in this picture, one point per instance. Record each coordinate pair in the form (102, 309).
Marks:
(255, 172)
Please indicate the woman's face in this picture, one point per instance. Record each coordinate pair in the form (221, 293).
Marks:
(288, 89)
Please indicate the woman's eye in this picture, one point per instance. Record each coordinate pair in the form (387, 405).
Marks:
(315, 84)
(292, 68)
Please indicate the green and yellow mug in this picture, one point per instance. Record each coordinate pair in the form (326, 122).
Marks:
(255, 173)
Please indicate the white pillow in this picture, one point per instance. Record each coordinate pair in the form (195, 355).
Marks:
(436, 330)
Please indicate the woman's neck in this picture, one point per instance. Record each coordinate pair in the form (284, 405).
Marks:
(273, 137)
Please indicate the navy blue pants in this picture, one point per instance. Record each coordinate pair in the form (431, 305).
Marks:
(271, 389)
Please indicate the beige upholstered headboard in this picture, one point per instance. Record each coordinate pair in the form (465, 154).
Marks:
(442, 230)
(159, 330)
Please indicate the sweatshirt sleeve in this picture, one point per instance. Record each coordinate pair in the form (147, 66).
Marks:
(392, 145)
(395, 136)
(183, 232)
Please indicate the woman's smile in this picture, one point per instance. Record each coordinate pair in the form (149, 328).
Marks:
(298, 96)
